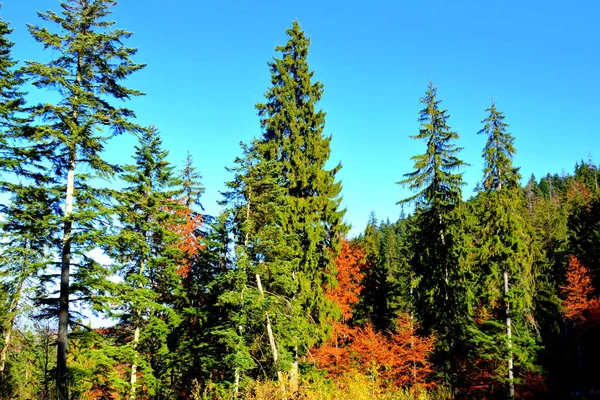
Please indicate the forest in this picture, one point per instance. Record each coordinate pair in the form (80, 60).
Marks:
(493, 295)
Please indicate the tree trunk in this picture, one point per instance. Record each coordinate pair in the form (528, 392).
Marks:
(294, 372)
(133, 379)
(511, 382)
(63, 312)
(12, 314)
(270, 334)
(134, 345)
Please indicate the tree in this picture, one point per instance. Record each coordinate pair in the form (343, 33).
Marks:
(397, 355)
(504, 259)
(149, 253)
(26, 245)
(191, 182)
(387, 285)
(438, 245)
(12, 101)
(293, 247)
(578, 292)
(90, 63)
(498, 152)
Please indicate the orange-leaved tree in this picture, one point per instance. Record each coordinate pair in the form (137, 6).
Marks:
(578, 292)
(188, 229)
(399, 357)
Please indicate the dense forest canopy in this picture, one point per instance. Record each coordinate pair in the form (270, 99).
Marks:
(486, 295)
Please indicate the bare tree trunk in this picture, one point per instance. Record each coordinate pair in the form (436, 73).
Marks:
(63, 312)
(294, 372)
(270, 334)
(133, 378)
(236, 374)
(134, 345)
(511, 382)
(12, 314)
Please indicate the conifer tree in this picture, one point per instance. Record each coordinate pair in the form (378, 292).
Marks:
(148, 258)
(442, 297)
(28, 237)
(504, 258)
(499, 150)
(90, 63)
(12, 99)
(292, 246)
(191, 182)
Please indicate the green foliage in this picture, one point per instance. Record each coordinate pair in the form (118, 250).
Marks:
(146, 257)
(434, 179)
(285, 204)
(439, 246)
(89, 62)
(12, 102)
(388, 279)
(498, 171)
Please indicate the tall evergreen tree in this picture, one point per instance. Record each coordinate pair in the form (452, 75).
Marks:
(12, 99)
(499, 150)
(191, 182)
(147, 256)
(300, 236)
(504, 258)
(90, 62)
(442, 296)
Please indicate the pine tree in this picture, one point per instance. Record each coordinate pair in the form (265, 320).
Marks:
(90, 62)
(146, 250)
(442, 297)
(292, 246)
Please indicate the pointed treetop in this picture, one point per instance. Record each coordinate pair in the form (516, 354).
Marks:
(435, 178)
(498, 170)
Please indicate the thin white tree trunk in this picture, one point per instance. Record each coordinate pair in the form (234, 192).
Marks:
(511, 382)
(10, 323)
(294, 372)
(270, 333)
(134, 345)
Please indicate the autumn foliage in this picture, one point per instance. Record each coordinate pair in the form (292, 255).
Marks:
(579, 303)
(399, 357)
(190, 243)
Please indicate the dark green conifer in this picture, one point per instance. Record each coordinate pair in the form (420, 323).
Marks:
(504, 261)
(499, 150)
(147, 258)
(12, 100)
(438, 246)
(90, 60)
(292, 247)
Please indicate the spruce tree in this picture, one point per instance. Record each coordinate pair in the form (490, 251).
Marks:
(147, 258)
(90, 62)
(438, 246)
(12, 101)
(27, 240)
(191, 183)
(499, 150)
(294, 247)
(504, 260)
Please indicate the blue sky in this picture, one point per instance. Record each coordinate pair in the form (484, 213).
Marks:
(540, 62)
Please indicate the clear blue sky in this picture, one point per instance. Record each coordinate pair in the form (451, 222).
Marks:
(539, 60)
